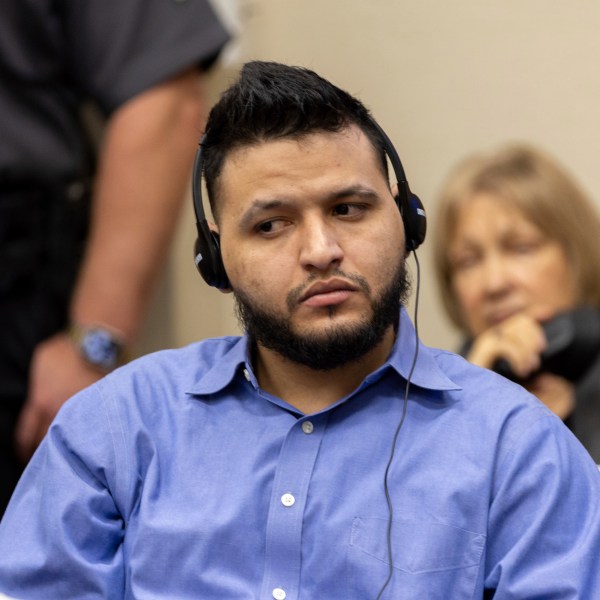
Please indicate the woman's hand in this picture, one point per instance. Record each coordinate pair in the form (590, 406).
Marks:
(519, 340)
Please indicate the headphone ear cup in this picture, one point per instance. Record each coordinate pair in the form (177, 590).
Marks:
(207, 257)
(414, 219)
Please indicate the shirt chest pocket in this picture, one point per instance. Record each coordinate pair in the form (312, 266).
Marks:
(429, 558)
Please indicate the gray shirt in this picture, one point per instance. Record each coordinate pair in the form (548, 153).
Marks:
(57, 54)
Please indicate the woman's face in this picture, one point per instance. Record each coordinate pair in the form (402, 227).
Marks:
(503, 264)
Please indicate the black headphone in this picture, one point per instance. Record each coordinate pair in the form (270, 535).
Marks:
(207, 248)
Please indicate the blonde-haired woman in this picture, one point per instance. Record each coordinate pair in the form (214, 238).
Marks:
(518, 243)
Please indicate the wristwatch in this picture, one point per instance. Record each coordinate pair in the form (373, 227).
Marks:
(100, 347)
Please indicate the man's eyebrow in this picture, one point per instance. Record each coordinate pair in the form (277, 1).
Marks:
(354, 190)
(257, 207)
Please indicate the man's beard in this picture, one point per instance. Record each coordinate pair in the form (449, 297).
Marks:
(337, 345)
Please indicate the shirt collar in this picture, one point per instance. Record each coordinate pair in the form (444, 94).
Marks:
(223, 370)
(426, 374)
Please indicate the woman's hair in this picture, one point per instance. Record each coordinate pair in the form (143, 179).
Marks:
(541, 189)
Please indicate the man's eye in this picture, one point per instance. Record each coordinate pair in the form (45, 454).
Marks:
(348, 209)
(271, 226)
(265, 227)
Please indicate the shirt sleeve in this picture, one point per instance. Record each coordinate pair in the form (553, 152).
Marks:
(69, 485)
(119, 48)
(544, 523)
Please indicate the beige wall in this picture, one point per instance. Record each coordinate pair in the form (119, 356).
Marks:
(444, 79)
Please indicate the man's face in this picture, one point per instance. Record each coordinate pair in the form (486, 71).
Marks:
(313, 244)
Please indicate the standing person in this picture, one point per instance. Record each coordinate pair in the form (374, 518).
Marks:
(139, 61)
(517, 253)
(326, 453)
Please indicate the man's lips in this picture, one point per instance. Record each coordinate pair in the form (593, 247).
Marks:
(327, 293)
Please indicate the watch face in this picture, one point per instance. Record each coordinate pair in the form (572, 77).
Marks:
(100, 349)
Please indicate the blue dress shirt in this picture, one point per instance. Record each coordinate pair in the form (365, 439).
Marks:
(178, 477)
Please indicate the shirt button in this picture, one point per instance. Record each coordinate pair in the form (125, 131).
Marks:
(307, 427)
(287, 500)
(246, 375)
(279, 594)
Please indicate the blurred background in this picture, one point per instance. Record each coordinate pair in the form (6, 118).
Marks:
(443, 79)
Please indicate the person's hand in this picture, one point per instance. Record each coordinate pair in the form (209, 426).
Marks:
(57, 372)
(519, 339)
(556, 393)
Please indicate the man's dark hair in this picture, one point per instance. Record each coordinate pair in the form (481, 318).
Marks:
(271, 100)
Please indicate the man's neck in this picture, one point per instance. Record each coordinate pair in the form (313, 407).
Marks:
(311, 390)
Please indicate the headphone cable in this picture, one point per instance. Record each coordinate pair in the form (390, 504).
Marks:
(397, 432)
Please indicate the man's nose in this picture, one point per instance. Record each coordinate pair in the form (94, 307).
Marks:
(320, 246)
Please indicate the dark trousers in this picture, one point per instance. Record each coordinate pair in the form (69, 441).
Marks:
(42, 231)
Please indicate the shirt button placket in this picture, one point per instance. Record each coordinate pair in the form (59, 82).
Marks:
(283, 552)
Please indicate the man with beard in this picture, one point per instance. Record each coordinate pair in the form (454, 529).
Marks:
(326, 453)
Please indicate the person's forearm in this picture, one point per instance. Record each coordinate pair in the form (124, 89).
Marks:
(144, 167)
(143, 171)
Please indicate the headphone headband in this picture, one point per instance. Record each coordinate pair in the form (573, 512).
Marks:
(197, 181)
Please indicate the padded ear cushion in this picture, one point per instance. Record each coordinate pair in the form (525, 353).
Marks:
(413, 216)
(415, 222)
(207, 257)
